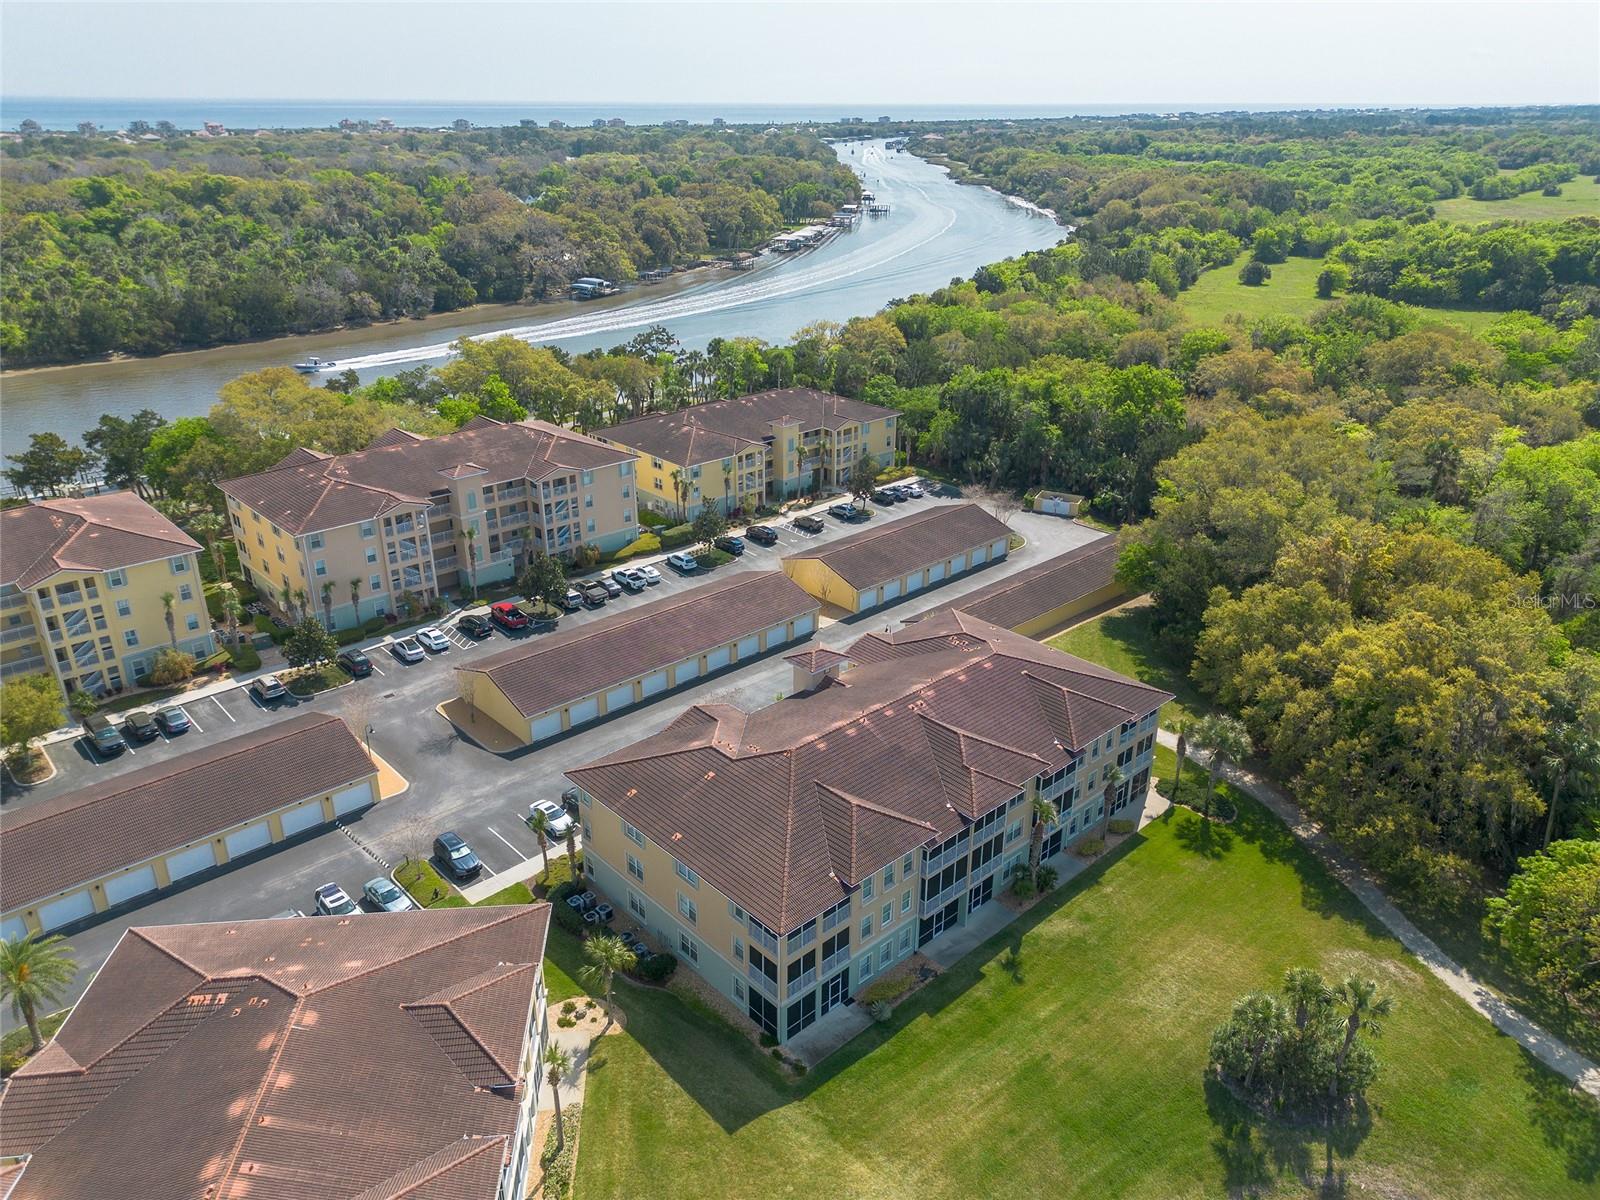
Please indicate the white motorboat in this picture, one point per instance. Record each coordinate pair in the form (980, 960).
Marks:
(314, 364)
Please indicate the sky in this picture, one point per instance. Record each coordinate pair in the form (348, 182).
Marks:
(1310, 52)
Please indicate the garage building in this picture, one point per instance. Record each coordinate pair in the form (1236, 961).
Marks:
(879, 565)
(1047, 594)
(544, 687)
(139, 832)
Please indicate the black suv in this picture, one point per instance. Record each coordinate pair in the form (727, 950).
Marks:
(762, 535)
(885, 497)
(730, 543)
(474, 626)
(456, 856)
(141, 726)
(357, 663)
(103, 736)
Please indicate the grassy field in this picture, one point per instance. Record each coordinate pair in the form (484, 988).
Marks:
(1579, 198)
(1291, 292)
(1125, 641)
(1066, 1057)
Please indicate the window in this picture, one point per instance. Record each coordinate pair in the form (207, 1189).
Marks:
(314, 542)
(905, 866)
(905, 902)
(368, 529)
(866, 888)
(866, 926)
(589, 525)
(185, 592)
(472, 501)
(888, 876)
(627, 515)
(180, 566)
(886, 918)
(738, 989)
(885, 955)
(689, 947)
(800, 938)
(632, 834)
(124, 609)
(687, 909)
(636, 905)
(588, 478)
(376, 583)
(588, 500)
(905, 939)
(320, 567)
(117, 578)
(738, 949)
(193, 622)
(635, 868)
(802, 1013)
(130, 637)
(686, 874)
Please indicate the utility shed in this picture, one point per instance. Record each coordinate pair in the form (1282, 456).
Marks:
(543, 688)
(144, 830)
(1046, 594)
(879, 565)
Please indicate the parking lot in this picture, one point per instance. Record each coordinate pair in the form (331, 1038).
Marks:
(454, 784)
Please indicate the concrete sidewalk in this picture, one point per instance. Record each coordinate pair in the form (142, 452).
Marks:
(1551, 1051)
(524, 872)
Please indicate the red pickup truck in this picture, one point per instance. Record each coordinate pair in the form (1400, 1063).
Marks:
(508, 616)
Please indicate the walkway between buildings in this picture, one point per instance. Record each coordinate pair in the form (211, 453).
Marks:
(1551, 1051)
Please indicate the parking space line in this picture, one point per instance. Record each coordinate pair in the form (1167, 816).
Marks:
(225, 712)
(509, 846)
(190, 715)
(375, 667)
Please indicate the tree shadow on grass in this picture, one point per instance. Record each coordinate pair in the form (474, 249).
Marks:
(1256, 1151)
(735, 1083)
(1567, 1119)
(1199, 836)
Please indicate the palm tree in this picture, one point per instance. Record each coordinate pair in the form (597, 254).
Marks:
(287, 597)
(1183, 756)
(558, 1064)
(1363, 1008)
(680, 488)
(471, 534)
(540, 824)
(1572, 760)
(1044, 811)
(208, 526)
(167, 599)
(1308, 993)
(1114, 777)
(34, 971)
(355, 598)
(572, 849)
(327, 604)
(302, 602)
(727, 487)
(607, 954)
(1262, 1018)
(1227, 739)
(232, 610)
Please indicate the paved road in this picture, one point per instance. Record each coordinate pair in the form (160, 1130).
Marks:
(1551, 1051)
(453, 783)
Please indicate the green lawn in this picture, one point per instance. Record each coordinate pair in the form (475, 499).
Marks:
(1066, 1057)
(1579, 198)
(1291, 292)
(14, 1046)
(1125, 641)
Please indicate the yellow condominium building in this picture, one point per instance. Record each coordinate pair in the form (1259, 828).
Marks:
(754, 449)
(354, 532)
(92, 589)
(791, 854)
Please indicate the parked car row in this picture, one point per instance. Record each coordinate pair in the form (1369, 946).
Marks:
(382, 893)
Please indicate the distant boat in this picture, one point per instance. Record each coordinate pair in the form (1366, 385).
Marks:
(314, 364)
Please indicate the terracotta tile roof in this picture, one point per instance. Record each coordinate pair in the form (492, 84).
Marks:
(279, 1060)
(305, 493)
(786, 808)
(1036, 590)
(95, 533)
(706, 432)
(877, 555)
(549, 671)
(816, 658)
(79, 836)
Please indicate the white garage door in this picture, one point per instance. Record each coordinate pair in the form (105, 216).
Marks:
(998, 550)
(619, 697)
(252, 837)
(357, 795)
(980, 556)
(69, 908)
(936, 573)
(307, 816)
(546, 726)
(802, 625)
(688, 669)
(717, 659)
(891, 591)
(585, 710)
(655, 682)
(14, 929)
(749, 647)
(187, 862)
(134, 883)
(778, 633)
(914, 583)
(958, 564)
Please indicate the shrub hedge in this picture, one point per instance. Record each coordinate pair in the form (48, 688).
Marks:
(677, 535)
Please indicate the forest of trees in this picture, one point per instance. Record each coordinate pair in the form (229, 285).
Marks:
(183, 242)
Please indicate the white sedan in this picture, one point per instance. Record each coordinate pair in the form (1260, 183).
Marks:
(407, 650)
(557, 819)
(651, 575)
(433, 638)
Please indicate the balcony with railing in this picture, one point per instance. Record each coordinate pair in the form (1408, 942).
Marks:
(937, 901)
(403, 525)
(31, 665)
(447, 563)
(761, 936)
(835, 960)
(932, 866)
(802, 984)
(84, 654)
(762, 984)
(436, 511)
(22, 633)
(510, 493)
